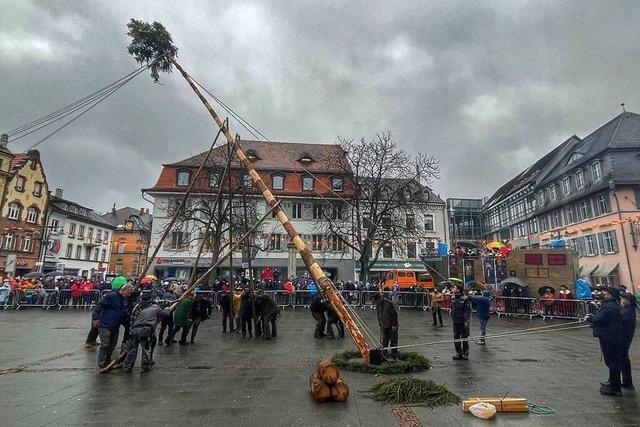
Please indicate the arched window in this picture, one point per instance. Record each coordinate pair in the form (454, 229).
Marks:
(14, 210)
(183, 178)
(32, 215)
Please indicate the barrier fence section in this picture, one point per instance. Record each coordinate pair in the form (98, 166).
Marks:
(517, 306)
(509, 306)
(563, 308)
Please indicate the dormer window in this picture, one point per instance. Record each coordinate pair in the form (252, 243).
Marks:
(306, 158)
(336, 184)
(183, 178)
(307, 183)
(574, 157)
(251, 154)
(214, 179)
(277, 182)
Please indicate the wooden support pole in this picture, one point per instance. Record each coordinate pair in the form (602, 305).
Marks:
(307, 257)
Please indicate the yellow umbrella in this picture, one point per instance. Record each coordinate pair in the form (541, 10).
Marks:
(494, 245)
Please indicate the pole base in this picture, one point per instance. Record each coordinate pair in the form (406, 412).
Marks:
(375, 357)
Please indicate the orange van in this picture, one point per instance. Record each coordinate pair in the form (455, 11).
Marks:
(407, 278)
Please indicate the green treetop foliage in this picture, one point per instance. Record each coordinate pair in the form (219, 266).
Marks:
(151, 45)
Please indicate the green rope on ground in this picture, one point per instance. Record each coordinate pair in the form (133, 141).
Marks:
(540, 410)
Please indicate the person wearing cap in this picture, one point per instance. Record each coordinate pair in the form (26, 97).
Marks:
(628, 302)
(606, 325)
(109, 314)
(388, 322)
(460, 316)
(143, 333)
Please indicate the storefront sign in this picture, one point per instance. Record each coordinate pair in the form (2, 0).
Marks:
(390, 265)
(173, 261)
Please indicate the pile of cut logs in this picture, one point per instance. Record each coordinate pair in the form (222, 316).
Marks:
(326, 384)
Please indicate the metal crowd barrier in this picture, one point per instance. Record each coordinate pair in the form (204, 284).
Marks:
(563, 308)
(517, 306)
(83, 300)
(210, 296)
(509, 306)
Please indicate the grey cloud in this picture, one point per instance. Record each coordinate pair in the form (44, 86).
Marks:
(487, 87)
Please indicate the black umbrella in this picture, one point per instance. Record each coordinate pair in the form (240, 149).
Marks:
(54, 273)
(543, 290)
(34, 275)
(513, 281)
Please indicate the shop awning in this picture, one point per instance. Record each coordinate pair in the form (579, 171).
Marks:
(587, 270)
(605, 269)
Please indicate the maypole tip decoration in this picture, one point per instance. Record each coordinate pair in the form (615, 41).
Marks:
(152, 45)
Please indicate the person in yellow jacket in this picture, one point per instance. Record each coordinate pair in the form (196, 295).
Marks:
(237, 298)
(436, 304)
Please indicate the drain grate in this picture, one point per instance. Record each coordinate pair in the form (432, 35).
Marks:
(199, 367)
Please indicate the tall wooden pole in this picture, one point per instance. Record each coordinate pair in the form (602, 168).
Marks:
(307, 257)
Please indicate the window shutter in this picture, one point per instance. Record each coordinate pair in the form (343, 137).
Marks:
(601, 243)
(614, 241)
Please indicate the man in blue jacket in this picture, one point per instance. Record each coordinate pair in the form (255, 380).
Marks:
(482, 312)
(607, 324)
(110, 312)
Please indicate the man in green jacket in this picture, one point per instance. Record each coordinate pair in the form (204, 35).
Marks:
(182, 319)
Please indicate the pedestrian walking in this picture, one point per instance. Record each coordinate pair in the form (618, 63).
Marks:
(436, 306)
(388, 322)
(606, 325)
(109, 314)
(143, 334)
(460, 316)
(317, 311)
(200, 311)
(629, 304)
(483, 314)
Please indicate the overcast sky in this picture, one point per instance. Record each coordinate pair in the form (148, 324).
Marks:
(486, 87)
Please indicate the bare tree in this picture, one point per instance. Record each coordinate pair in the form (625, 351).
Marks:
(209, 215)
(387, 193)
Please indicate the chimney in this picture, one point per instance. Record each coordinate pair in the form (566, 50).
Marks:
(59, 192)
(141, 212)
(113, 209)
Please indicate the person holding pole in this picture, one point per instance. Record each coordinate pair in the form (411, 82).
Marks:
(460, 316)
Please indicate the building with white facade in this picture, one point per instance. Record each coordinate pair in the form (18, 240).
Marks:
(77, 241)
(306, 181)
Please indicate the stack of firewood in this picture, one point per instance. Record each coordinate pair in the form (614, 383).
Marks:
(326, 384)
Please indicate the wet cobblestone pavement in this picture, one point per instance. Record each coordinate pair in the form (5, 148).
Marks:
(48, 378)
